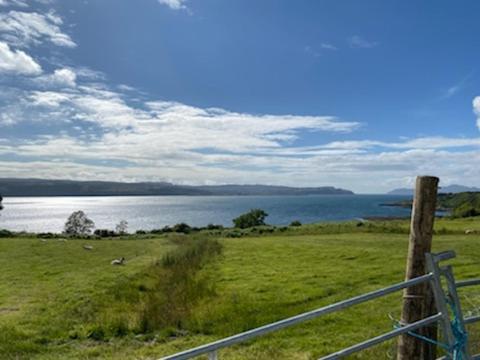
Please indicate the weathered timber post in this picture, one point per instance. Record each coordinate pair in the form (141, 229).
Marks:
(417, 300)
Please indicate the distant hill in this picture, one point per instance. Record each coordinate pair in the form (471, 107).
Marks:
(41, 187)
(272, 190)
(401, 191)
(450, 189)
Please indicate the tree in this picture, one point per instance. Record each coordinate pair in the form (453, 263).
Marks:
(465, 210)
(78, 224)
(1, 206)
(121, 227)
(255, 217)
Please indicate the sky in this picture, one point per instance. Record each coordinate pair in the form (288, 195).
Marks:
(363, 95)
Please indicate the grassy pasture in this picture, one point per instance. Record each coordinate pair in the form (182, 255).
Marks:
(59, 301)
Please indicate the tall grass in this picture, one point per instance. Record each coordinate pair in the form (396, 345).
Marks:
(179, 284)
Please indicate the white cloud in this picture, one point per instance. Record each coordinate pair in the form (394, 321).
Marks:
(64, 76)
(316, 51)
(89, 74)
(17, 62)
(328, 46)
(456, 88)
(6, 119)
(174, 4)
(19, 3)
(476, 109)
(432, 142)
(358, 42)
(48, 99)
(27, 28)
(59, 78)
(174, 124)
(452, 91)
(23, 3)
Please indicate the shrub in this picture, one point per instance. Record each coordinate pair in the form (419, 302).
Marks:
(296, 223)
(47, 235)
(233, 234)
(164, 230)
(78, 224)
(182, 228)
(5, 233)
(140, 232)
(465, 210)
(214, 227)
(255, 217)
(103, 233)
(156, 231)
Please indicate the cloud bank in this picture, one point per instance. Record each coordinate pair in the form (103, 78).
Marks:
(23, 29)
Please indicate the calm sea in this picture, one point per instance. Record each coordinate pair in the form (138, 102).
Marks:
(48, 214)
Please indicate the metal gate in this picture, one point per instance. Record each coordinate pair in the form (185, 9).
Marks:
(449, 317)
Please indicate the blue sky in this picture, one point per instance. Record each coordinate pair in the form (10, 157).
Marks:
(359, 94)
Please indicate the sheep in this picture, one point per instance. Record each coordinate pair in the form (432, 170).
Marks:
(470, 231)
(88, 247)
(120, 261)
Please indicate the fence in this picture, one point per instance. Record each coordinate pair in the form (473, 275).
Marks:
(449, 317)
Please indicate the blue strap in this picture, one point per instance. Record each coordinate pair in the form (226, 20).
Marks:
(428, 340)
(423, 338)
(460, 336)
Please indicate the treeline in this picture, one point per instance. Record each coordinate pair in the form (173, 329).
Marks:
(79, 225)
(458, 205)
(465, 204)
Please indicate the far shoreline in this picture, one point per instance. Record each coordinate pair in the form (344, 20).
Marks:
(203, 195)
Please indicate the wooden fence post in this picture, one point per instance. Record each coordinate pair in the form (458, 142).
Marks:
(417, 300)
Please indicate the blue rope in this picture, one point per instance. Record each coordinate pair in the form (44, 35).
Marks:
(428, 340)
(423, 338)
(459, 334)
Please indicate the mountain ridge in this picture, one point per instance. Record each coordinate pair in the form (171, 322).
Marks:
(46, 187)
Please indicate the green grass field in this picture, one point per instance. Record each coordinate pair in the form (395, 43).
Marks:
(58, 300)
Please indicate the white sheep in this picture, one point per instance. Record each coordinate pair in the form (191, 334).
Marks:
(120, 261)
